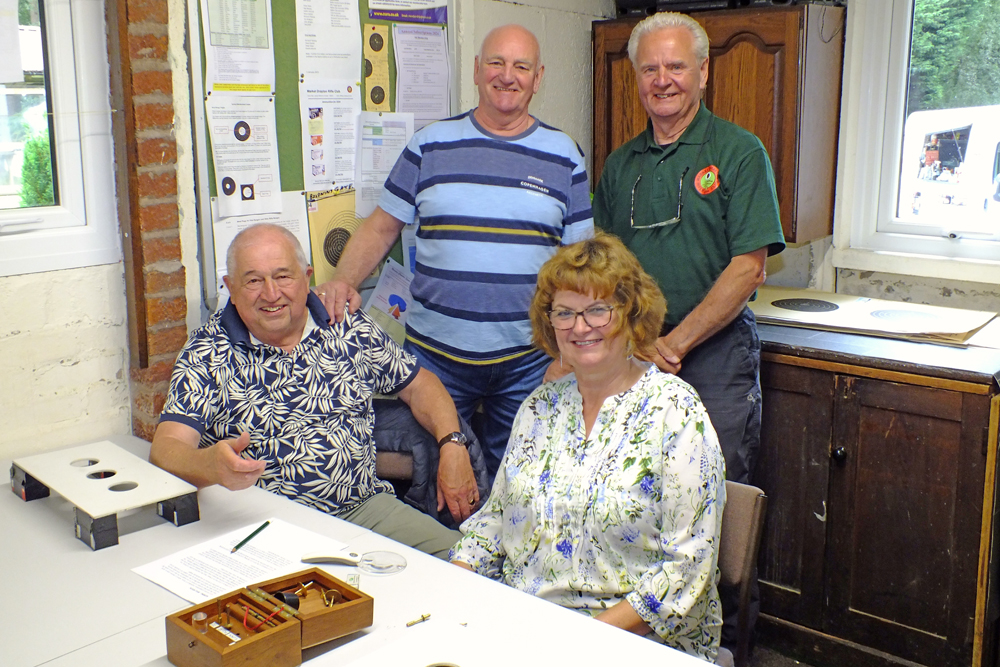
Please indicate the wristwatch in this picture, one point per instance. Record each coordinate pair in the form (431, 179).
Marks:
(457, 437)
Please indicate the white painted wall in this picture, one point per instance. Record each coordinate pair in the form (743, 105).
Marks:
(565, 99)
(63, 359)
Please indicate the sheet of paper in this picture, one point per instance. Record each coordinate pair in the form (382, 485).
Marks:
(239, 52)
(329, 39)
(376, 50)
(390, 300)
(422, 72)
(245, 153)
(412, 11)
(10, 44)
(292, 217)
(209, 569)
(329, 123)
(331, 223)
(382, 136)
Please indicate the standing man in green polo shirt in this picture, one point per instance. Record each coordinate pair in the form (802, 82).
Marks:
(693, 197)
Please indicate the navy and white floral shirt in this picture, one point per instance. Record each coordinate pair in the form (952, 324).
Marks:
(308, 412)
(631, 512)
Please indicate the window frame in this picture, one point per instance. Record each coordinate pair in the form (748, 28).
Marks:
(82, 230)
(869, 155)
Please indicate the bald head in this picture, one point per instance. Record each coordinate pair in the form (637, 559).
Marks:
(512, 31)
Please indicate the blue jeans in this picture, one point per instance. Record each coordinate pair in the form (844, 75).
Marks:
(500, 388)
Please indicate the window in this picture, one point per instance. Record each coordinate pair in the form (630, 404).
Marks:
(917, 190)
(57, 205)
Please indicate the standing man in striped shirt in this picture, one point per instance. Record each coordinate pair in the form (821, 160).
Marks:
(492, 194)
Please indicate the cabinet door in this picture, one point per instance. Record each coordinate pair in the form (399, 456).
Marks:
(905, 517)
(793, 470)
(618, 114)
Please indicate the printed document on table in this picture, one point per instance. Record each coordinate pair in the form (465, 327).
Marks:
(245, 153)
(422, 72)
(293, 217)
(210, 569)
(239, 50)
(329, 112)
(329, 39)
(390, 300)
(412, 11)
(382, 136)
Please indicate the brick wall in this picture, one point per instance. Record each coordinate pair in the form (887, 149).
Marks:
(146, 156)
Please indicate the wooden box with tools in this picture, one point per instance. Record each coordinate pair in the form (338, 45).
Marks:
(267, 624)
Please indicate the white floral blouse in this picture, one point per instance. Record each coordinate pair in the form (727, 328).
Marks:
(634, 511)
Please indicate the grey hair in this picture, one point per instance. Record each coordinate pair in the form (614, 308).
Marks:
(668, 20)
(242, 239)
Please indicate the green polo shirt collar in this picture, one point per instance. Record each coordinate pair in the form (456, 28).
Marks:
(696, 133)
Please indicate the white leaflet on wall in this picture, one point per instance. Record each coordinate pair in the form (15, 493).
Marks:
(245, 154)
(239, 49)
(329, 39)
(329, 111)
(10, 44)
(412, 11)
(390, 300)
(293, 217)
(382, 136)
(422, 74)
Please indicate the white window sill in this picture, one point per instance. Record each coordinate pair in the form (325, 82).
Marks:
(948, 268)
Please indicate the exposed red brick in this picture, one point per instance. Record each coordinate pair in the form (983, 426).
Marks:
(161, 249)
(166, 340)
(156, 217)
(159, 150)
(158, 281)
(157, 185)
(147, 11)
(163, 310)
(157, 372)
(143, 428)
(153, 81)
(149, 400)
(147, 46)
(149, 116)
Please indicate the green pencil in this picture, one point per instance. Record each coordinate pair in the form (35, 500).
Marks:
(251, 536)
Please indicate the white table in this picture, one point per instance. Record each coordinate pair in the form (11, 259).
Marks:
(69, 606)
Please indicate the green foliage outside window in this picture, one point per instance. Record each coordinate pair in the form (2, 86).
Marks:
(954, 54)
(36, 172)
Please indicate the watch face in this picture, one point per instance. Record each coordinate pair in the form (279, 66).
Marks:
(457, 437)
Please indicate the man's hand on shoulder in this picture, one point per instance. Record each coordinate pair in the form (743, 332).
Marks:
(667, 359)
(456, 482)
(232, 470)
(338, 295)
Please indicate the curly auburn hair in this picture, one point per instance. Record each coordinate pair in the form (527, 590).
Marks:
(604, 267)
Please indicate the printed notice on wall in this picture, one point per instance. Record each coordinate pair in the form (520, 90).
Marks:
(422, 76)
(245, 154)
(411, 11)
(329, 122)
(329, 39)
(239, 54)
(382, 136)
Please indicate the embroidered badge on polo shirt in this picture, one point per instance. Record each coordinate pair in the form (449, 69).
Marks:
(707, 180)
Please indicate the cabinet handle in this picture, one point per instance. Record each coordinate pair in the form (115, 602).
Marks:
(839, 454)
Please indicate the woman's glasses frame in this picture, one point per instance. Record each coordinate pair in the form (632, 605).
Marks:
(595, 317)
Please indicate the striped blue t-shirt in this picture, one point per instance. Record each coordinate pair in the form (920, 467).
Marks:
(489, 211)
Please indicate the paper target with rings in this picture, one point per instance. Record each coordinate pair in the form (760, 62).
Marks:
(332, 221)
(241, 130)
(376, 64)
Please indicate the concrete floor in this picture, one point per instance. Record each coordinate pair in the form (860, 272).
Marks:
(765, 657)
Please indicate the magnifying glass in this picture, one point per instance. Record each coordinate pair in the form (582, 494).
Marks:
(373, 562)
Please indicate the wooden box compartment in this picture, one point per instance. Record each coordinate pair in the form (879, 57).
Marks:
(253, 627)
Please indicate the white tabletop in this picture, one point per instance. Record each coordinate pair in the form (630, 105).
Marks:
(74, 607)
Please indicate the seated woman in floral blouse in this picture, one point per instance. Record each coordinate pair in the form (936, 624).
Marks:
(609, 499)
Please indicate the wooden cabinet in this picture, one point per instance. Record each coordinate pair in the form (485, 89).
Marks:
(775, 72)
(876, 549)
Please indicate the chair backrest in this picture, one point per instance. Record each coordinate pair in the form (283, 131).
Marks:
(742, 525)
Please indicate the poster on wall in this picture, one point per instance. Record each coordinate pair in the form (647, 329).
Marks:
(411, 11)
(376, 47)
(245, 153)
(382, 136)
(329, 122)
(239, 50)
(329, 39)
(422, 73)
